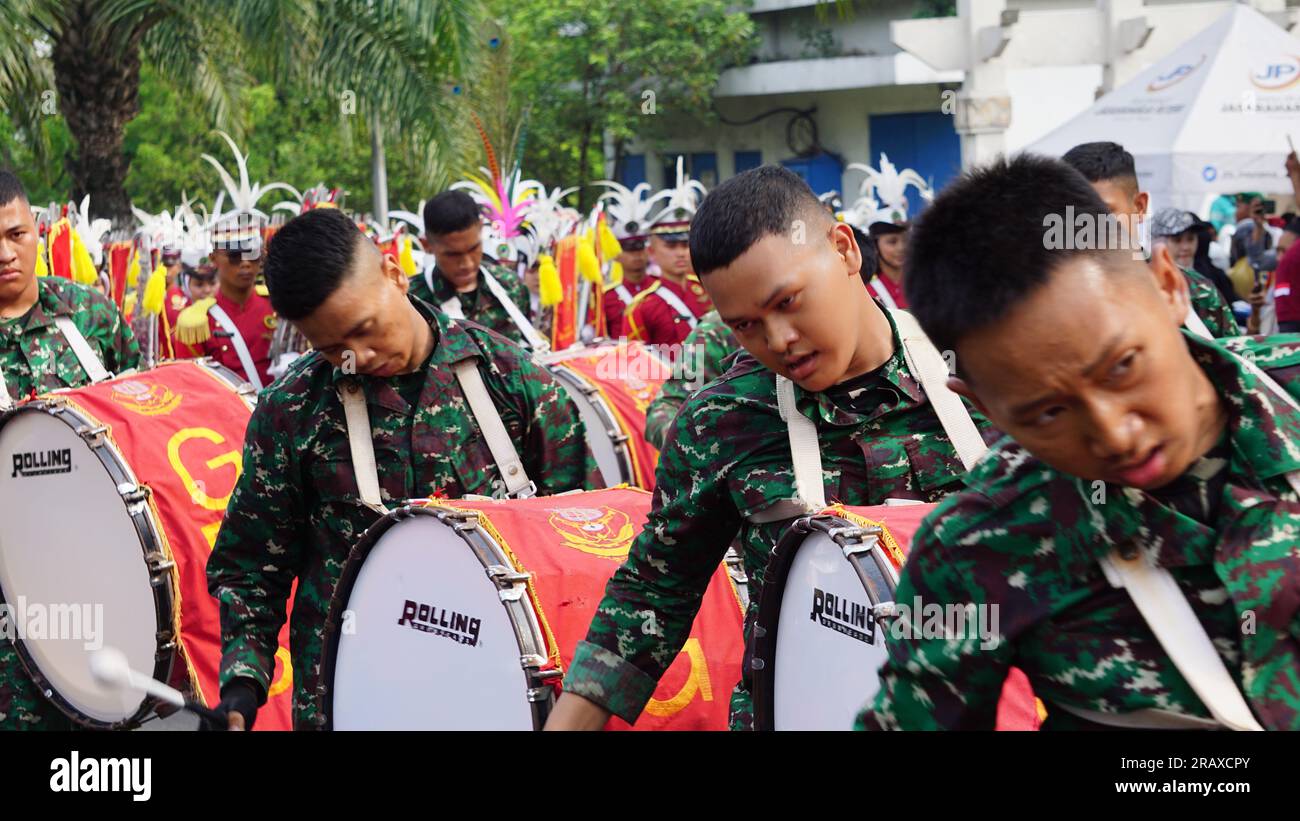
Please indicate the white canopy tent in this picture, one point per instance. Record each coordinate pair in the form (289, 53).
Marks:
(1211, 118)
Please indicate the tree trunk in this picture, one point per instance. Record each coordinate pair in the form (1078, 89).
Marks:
(97, 76)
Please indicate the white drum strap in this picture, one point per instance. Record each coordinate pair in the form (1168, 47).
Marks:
(452, 308)
(5, 402)
(518, 485)
(624, 294)
(929, 367)
(531, 336)
(1196, 325)
(675, 302)
(361, 442)
(90, 361)
(427, 273)
(241, 348)
(805, 450)
(1180, 633)
(881, 291)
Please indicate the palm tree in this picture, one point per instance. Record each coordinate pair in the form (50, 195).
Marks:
(394, 60)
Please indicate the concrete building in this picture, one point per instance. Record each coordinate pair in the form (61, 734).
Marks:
(824, 91)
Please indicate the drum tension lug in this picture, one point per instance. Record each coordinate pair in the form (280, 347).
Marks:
(94, 436)
(884, 610)
(505, 577)
(134, 493)
(531, 661)
(158, 562)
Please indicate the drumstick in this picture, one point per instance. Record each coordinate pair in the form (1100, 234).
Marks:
(110, 670)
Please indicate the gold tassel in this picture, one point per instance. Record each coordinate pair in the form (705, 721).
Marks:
(548, 282)
(83, 267)
(404, 257)
(154, 292)
(609, 244)
(588, 265)
(42, 267)
(128, 307)
(192, 323)
(262, 290)
(133, 270)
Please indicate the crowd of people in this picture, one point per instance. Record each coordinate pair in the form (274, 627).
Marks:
(1129, 415)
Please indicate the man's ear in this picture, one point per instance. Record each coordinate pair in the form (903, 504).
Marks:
(960, 387)
(392, 270)
(425, 244)
(1140, 203)
(1171, 282)
(846, 245)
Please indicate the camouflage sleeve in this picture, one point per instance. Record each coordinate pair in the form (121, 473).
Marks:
(1212, 308)
(705, 349)
(258, 550)
(936, 678)
(102, 324)
(555, 446)
(652, 599)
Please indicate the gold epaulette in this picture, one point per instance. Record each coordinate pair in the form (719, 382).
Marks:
(262, 290)
(192, 323)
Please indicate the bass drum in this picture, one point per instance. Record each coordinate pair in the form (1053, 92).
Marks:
(828, 598)
(464, 615)
(109, 505)
(613, 384)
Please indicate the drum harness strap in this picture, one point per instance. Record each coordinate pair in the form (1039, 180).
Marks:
(452, 308)
(881, 291)
(361, 442)
(86, 356)
(241, 347)
(1152, 588)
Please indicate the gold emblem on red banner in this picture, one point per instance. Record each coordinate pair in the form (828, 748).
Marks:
(599, 531)
(270, 321)
(145, 398)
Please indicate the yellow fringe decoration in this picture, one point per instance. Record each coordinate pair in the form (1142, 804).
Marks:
(548, 282)
(42, 267)
(192, 323)
(588, 264)
(609, 244)
(83, 266)
(154, 291)
(128, 306)
(133, 270)
(261, 290)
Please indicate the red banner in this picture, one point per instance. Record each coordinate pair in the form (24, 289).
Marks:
(1018, 709)
(180, 428)
(564, 316)
(119, 260)
(572, 545)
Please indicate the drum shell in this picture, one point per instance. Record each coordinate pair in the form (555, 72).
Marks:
(170, 441)
(569, 561)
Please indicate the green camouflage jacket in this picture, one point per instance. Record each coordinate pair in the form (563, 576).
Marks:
(296, 511)
(479, 305)
(34, 354)
(1210, 306)
(704, 349)
(1027, 539)
(727, 459)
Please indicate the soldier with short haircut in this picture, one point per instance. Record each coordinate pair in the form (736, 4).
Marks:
(812, 332)
(301, 503)
(1144, 504)
(54, 334)
(462, 282)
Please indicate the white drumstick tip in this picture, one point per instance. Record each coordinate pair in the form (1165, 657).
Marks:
(109, 668)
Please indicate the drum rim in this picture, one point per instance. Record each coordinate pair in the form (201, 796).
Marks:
(767, 620)
(162, 583)
(523, 617)
(622, 451)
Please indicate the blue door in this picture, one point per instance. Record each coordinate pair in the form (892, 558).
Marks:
(822, 172)
(633, 170)
(924, 141)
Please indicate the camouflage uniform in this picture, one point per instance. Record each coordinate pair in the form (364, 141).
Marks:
(296, 511)
(1210, 306)
(728, 458)
(712, 342)
(479, 305)
(1028, 539)
(38, 347)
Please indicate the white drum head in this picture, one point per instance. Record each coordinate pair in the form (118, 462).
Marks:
(71, 563)
(598, 435)
(429, 646)
(825, 669)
